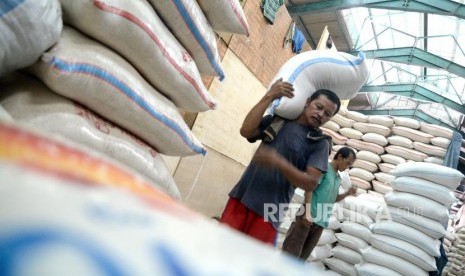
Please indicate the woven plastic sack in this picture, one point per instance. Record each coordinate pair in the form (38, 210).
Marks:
(436, 130)
(433, 172)
(404, 250)
(27, 29)
(225, 16)
(431, 190)
(138, 34)
(428, 226)
(93, 75)
(188, 24)
(33, 104)
(370, 269)
(381, 120)
(347, 254)
(407, 122)
(398, 264)
(340, 266)
(339, 72)
(400, 141)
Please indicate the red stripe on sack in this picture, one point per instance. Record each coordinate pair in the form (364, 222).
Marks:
(147, 29)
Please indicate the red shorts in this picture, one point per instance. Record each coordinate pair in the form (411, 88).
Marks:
(241, 218)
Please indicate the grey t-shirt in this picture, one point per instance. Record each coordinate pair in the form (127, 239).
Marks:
(260, 185)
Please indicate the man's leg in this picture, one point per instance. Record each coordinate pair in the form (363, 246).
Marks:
(296, 236)
(314, 235)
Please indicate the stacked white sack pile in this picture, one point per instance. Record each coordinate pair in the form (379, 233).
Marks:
(417, 212)
(382, 142)
(115, 77)
(454, 245)
(65, 210)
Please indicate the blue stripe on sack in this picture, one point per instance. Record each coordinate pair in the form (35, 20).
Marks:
(193, 28)
(106, 76)
(7, 5)
(359, 60)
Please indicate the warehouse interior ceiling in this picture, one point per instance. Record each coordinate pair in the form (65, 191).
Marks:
(414, 49)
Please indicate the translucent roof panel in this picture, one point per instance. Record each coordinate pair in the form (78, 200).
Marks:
(442, 36)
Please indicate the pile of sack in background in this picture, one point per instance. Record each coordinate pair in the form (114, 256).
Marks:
(454, 245)
(382, 142)
(83, 188)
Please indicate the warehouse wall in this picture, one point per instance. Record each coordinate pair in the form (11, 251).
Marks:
(249, 64)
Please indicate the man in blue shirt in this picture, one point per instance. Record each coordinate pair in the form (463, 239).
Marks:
(305, 232)
(296, 156)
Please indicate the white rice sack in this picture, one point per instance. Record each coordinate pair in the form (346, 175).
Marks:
(381, 187)
(356, 230)
(188, 24)
(431, 190)
(337, 138)
(361, 173)
(346, 254)
(436, 130)
(360, 191)
(370, 269)
(27, 29)
(343, 121)
(320, 252)
(419, 205)
(412, 134)
(430, 149)
(340, 266)
(360, 145)
(407, 122)
(357, 116)
(428, 226)
(398, 264)
(402, 141)
(345, 180)
(433, 172)
(225, 16)
(78, 67)
(384, 177)
(404, 250)
(327, 237)
(139, 35)
(372, 128)
(440, 142)
(343, 111)
(4, 115)
(406, 153)
(408, 234)
(376, 197)
(386, 167)
(33, 104)
(332, 126)
(381, 120)
(310, 71)
(368, 156)
(62, 226)
(366, 165)
(351, 133)
(351, 242)
(392, 159)
(334, 223)
(375, 138)
(361, 204)
(352, 215)
(361, 183)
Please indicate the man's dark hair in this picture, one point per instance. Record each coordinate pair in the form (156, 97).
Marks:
(331, 96)
(345, 152)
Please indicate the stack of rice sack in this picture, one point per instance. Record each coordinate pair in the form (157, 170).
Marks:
(417, 212)
(382, 143)
(67, 211)
(454, 245)
(357, 215)
(118, 75)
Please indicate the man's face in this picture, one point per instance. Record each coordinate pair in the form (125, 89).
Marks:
(346, 163)
(319, 111)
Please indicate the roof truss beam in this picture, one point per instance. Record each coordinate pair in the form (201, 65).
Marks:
(412, 90)
(443, 7)
(415, 56)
